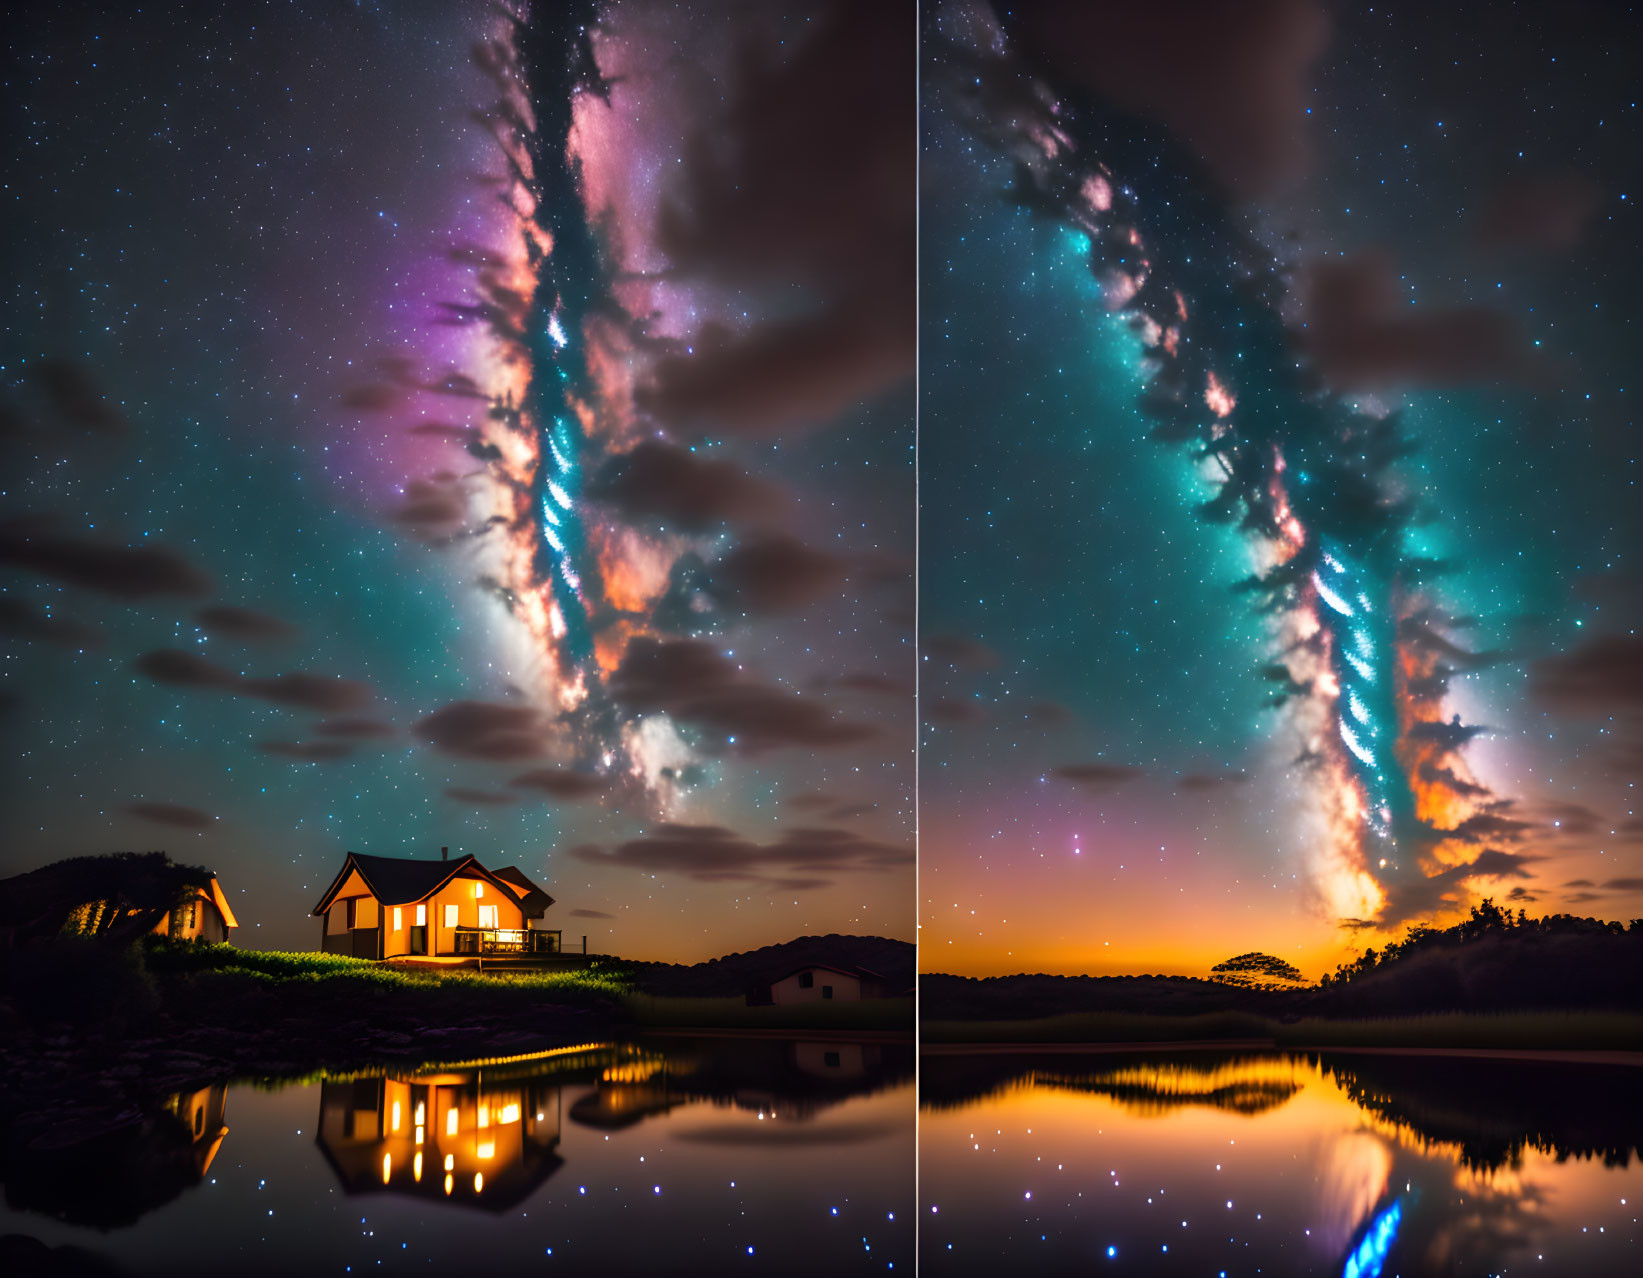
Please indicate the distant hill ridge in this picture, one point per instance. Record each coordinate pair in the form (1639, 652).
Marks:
(1490, 962)
(735, 974)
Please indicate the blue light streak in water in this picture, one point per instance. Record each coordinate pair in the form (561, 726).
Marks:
(1367, 1259)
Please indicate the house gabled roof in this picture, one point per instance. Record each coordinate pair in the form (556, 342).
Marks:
(532, 899)
(396, 880)
(221, 902)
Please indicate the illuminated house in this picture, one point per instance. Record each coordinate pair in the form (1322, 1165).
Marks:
(818, 981)
(383, 907)
(450, 1137)
(115, 899)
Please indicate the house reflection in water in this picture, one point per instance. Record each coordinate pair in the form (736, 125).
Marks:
(113, 1178)
(783, 1080)
(455, 1137)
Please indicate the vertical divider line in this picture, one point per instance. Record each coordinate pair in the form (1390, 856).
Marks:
(918, 671)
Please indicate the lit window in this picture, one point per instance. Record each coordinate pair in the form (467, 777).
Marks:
(510, 1114)
(450, 1121)
(399, 920)
(487, 916)
(387, 1167)
(484, 1115)
(395, 1126)
(488, 1149)
(422, 916)
(450, 1161)
(416, 1166)
(479, 890)
(450, 916)
(421, 1114)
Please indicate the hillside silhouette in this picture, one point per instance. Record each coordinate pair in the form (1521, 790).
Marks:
(1492, 961)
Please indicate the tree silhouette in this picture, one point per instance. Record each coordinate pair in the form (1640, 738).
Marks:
(1256, 971)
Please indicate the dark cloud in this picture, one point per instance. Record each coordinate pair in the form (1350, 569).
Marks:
(1545, 212)
(371, 397)
(779, 573)
(954, 713)
(1602, 677)
(1448, 736)
(1624, 885)
(1579, 883)
(354, 728)
(562, 783)
(698, 685)
(682, 489)
(308, 751)
(1362, 333)
(443, 430)
(484, 730)
(175, 815)
(590, 914)
(783, 200)
(1437, 774)
(714, 854)
(308, 691)
(325, 693)
(1494, 863)
(1572, 818)
(73, 395)
(1049, 714)
(1097, 776)
(1417, 897)
(434, 509)
(1481, 827)
(1230, 78)
(124, 572)
(1581, 898)
(956, 650)
(246, 624)
(480, 798)
(875, 684)
(24, 621)
(1204, 782)
(1521, 895)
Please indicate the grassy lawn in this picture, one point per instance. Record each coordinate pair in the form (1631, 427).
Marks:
(274, 968)
(1570, 1031)
(206, 965)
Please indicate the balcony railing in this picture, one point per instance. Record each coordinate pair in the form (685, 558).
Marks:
(507, 941)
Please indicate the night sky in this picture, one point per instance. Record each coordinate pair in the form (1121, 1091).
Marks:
(1337, 217)
(427, 428)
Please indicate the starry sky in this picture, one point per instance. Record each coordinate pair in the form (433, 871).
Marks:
(1409, 233)
(440, 425)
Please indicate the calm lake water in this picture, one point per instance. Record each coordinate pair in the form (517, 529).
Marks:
(670, 1155)
(1337, 1164)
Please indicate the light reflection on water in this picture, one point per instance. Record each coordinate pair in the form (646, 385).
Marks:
(1278, 1163)
(670, 1155)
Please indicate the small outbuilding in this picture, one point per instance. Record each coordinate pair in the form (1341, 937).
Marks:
(817, 982)
(116, 899)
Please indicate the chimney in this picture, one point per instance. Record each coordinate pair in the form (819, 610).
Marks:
(444, 854)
